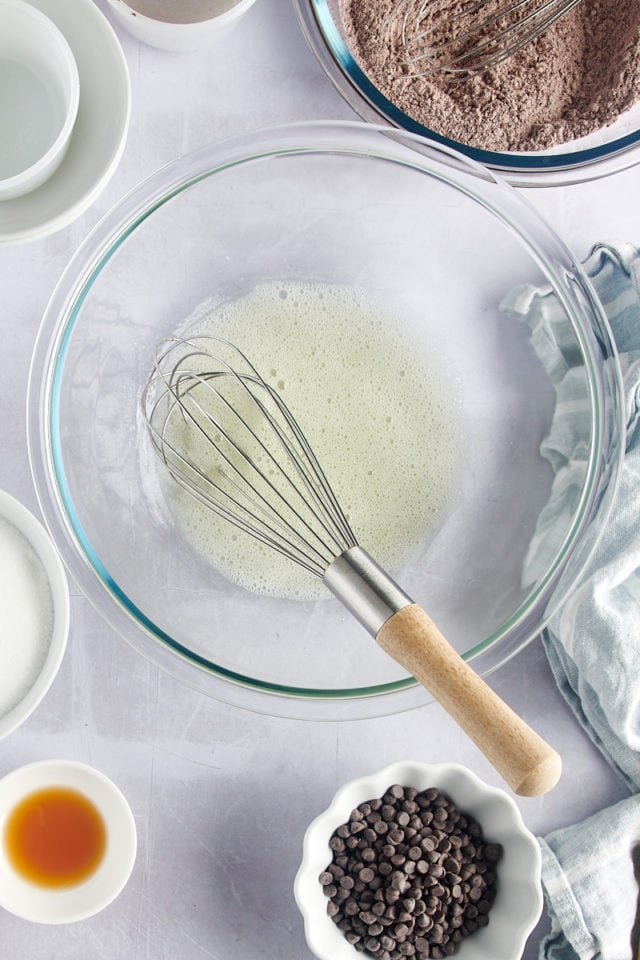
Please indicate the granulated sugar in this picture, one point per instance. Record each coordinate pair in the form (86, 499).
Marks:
(580, 76)
(26, 616)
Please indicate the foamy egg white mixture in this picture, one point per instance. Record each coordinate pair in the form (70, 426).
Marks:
(378, 413)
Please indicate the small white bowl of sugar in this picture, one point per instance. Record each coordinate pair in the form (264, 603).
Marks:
(34, 613)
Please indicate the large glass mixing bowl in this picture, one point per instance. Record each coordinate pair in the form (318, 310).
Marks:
(438, 245)
(600, 154)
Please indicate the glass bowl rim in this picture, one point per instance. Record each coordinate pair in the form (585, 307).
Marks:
(44, 389)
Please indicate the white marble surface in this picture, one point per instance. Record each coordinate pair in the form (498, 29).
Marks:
(222, 797)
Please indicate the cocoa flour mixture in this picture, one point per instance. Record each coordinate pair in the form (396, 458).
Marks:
(580, 76)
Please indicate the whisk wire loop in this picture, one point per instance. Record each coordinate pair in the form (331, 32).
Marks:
(230, 441)
(256, 499)
(256, 507)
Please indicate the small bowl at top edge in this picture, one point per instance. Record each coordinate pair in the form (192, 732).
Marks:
(183, 36)
(518, 904)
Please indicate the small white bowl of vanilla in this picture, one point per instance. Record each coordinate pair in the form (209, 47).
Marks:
(67, 841)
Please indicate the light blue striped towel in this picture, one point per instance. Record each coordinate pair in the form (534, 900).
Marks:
(590, 870)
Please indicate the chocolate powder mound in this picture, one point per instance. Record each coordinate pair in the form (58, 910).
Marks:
(578, 77)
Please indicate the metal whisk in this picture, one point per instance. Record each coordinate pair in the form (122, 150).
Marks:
(227, 437)
(465, 38)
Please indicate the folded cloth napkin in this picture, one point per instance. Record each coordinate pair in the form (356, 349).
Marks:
(590, 870)
(590, 877)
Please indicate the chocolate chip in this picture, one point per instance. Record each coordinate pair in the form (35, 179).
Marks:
(410, 876)
(493, 852)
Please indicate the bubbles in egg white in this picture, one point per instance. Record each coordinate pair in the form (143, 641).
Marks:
(378, 414)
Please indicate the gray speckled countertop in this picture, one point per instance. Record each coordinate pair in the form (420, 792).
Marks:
(222, 797)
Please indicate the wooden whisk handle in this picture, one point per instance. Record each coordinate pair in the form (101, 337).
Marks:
(528, 764)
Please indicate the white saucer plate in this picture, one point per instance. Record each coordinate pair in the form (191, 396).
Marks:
(99, 134)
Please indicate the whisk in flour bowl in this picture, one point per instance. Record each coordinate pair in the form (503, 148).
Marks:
(371, 303)
(464, 40)
(563, 109)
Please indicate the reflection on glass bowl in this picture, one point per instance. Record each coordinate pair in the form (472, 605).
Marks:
(436, 240)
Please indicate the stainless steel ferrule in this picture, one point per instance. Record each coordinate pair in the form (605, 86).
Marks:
(365, 589)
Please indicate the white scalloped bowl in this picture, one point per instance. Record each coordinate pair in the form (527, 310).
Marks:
(518, 904)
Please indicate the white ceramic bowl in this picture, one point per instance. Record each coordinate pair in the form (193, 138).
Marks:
(518, 902)
(201, 23)
(27, 542)
(68, 904)
(39, 98)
